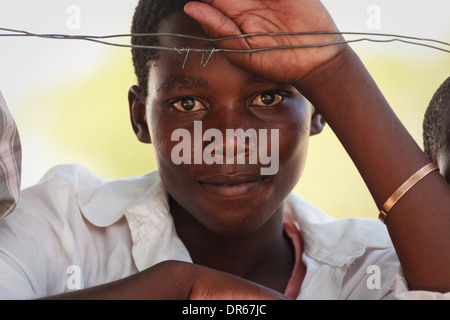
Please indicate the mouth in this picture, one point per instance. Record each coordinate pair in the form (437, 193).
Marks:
(236, 185)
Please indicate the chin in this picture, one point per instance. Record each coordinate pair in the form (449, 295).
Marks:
(233, 222)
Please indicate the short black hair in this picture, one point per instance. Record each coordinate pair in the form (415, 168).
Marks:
(147, 17)
(436, 123)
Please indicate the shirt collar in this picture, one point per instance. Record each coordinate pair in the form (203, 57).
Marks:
(144, 203)
(105, 203)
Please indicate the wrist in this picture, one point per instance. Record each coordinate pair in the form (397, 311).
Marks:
(318, 80)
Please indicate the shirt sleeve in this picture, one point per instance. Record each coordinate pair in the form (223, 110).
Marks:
(10, 161)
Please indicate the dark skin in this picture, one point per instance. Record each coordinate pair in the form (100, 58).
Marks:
(419, 224)
(220, 229)
(336, 82)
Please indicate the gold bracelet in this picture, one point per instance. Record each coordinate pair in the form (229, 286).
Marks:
(400, 192)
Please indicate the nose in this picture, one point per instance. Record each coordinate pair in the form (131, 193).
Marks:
(238, 143)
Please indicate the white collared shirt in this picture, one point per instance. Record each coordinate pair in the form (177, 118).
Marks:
(74, 230)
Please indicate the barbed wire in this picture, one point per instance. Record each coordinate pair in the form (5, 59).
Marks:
(365, 36)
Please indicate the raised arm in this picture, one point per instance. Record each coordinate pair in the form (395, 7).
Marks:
(336, 82)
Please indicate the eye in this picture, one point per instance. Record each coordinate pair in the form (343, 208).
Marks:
(267, 99)
(188, 105)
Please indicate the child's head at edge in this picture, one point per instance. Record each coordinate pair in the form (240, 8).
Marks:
(436, 129)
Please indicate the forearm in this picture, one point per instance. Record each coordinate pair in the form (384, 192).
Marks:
(386, 155)
(169, 280)
(176, 280)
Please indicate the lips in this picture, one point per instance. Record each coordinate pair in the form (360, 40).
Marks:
(232, 185)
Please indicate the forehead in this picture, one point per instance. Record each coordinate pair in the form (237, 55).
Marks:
(180, 23)
(186, 68)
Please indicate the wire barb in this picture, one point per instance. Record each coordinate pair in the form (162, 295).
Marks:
(185, 51)
(209, 57)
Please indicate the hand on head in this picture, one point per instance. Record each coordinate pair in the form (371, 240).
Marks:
(226, 18)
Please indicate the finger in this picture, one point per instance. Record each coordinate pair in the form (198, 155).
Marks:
(213, 21)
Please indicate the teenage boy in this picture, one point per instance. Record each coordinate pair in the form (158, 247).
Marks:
(198, 230)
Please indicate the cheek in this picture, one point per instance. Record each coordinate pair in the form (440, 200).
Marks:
(294, 137)
(293, 151)
(175, 177)
(160, 132)
(293, 147)
(162, 146)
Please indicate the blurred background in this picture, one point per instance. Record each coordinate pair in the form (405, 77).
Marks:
(69, 97)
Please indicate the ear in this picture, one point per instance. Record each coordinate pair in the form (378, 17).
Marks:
(317, 123)
(138, 115)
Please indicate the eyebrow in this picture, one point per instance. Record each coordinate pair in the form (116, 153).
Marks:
(179, 82)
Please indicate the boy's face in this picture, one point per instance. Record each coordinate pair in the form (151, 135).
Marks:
(228, 199)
